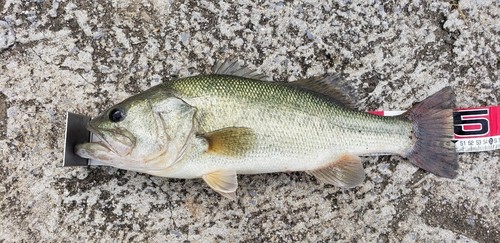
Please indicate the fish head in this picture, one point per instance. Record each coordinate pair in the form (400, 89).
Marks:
(146, 133)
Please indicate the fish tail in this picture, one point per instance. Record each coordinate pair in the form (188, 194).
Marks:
(433, 149)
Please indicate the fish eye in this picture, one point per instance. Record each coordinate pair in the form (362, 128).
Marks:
(116, 115)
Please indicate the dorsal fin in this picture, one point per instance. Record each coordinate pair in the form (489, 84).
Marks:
(232, 67)
(331, 85)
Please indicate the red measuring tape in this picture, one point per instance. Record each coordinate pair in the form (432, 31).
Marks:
(475, 129)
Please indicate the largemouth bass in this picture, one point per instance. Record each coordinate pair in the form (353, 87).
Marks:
(217, 126)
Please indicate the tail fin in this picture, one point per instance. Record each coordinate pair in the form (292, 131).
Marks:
(433, 130)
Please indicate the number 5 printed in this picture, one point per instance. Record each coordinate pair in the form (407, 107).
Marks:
(471, 123)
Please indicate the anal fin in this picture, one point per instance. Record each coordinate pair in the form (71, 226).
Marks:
(225, 182)
(347, 171)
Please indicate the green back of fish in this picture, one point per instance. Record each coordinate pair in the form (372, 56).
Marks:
(255, 93)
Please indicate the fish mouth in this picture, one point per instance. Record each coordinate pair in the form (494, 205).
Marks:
(100, 139)
(118, 141)
(103, 151)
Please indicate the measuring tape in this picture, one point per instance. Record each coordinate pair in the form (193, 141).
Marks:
(475, 129)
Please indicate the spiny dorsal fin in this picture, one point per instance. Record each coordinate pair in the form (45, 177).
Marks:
(231, 141)
(224, 182)
(331, 85)
(232, 67)
(346, 172)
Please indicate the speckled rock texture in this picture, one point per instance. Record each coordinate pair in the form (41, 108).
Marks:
(83, 56)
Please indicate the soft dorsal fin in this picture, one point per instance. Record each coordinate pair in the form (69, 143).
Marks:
(225, 182)
(331, 85)
(347, 171)
(231, 141)
(232, 67)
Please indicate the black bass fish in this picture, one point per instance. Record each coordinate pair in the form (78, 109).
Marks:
(231, 122)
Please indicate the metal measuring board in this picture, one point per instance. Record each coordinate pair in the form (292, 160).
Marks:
(76, 133)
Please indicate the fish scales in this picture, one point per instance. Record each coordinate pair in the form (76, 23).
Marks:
(288, 122)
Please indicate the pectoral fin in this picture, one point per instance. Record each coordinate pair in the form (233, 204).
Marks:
(231, 141)
(224, 182)
(347, 171)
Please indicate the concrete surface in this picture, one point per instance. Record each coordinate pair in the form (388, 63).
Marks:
(83, 57)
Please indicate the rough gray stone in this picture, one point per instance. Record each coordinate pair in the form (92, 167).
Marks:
(83, 56)
(7, 36)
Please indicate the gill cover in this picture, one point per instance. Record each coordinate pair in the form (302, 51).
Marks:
(175, 120)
